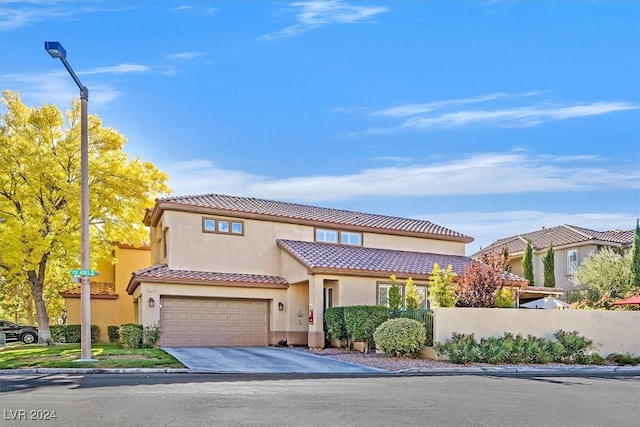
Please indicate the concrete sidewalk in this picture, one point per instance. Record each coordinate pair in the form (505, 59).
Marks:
(262, 360)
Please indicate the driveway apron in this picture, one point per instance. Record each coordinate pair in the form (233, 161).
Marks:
(263, 360)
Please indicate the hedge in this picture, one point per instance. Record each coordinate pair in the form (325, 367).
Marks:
(361, 321)
(72, 333)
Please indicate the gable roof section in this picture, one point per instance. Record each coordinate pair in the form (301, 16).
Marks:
(563, 235)
(362, 261)
(161, 273)
(248, 207)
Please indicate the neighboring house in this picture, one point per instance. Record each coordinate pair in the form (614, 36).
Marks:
(244, 271)
(110, 303)
(571, 245)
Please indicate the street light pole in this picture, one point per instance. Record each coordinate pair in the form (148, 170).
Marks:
(56, 50)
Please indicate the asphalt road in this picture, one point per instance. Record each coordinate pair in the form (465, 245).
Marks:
(305, 400)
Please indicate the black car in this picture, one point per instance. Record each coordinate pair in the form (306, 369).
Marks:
(14, 332)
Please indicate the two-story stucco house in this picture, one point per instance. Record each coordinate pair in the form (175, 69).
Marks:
(571, 245)
(244, 271)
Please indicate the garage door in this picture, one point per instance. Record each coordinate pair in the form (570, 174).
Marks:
(200, 322)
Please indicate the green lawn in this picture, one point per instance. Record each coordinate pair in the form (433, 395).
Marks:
(15, 356)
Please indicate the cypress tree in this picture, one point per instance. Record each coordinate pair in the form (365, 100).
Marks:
(395, 295)
(527, 263)
(635, 260)
(549, 268)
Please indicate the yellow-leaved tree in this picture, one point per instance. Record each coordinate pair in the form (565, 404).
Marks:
(40, 200)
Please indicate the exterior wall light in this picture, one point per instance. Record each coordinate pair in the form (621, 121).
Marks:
(280, 306)
(152, 302)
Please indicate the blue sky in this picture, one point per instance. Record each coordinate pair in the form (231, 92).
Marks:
(492, 118)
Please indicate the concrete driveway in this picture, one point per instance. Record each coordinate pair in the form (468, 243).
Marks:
(263, 360)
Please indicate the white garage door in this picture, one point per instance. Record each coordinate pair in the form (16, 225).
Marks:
(203, 322)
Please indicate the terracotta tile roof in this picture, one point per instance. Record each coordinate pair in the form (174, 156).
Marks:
(563, 235)
(161, 273)
(293, 212)
(346, 259)
(97, 289)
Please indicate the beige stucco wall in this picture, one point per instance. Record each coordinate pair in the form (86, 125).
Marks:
(413, 244)
(256, 251)
(613, 331)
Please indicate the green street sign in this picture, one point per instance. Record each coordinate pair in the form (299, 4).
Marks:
(83, 273)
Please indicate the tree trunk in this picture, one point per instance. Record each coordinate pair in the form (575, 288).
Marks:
(36, 281)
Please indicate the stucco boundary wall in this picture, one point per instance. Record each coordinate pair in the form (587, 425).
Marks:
(611, 331)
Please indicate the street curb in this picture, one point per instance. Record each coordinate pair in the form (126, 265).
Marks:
(50, 371)
(515, 371)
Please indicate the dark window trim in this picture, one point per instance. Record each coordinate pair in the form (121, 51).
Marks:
(217, 220)
(339, 237)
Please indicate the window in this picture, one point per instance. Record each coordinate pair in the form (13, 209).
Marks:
(350, 238)
(329, 236)
(209, 224)
(222, 226)
(383, 294)
(335, 236)
(328, 298)
(236, 227)
(165, 246)
(572, 261)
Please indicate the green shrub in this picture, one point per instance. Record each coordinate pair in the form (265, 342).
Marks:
(334, 323)
(400, 337)
(493, 350)
(114, 333)
(361, 321)
(575, 348)
(131, 335)
(504, 298)
(72, 334)
(461, 348)
(423, 316)
(569, 347)
(624, 359)
(152, 334)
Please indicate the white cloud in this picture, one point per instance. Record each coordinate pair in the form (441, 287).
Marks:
(318, 13)
(58, 88)
(23, 13)
(441, 114)
(185, 56)
(477, 174)
(118, 69)
(413, 109)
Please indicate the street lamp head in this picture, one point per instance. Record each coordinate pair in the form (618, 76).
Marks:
(55, 49)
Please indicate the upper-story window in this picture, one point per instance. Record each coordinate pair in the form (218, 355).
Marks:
(222, 226)
(350, 238)
(335, 236)
(572, 261)
(329, 236)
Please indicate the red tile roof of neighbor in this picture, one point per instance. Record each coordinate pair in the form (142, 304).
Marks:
(562, 235)
(249, 207)
(346, 259)
(161, 273)
(104, 289)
